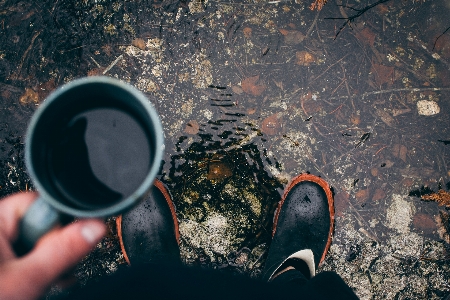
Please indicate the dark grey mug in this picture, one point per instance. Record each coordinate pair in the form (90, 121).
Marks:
(93, 149)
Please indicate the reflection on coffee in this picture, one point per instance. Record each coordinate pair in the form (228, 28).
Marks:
(100, 158)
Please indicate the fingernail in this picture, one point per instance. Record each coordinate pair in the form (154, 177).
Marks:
(92, 232)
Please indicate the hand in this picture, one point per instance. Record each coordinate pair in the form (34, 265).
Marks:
(29, 276)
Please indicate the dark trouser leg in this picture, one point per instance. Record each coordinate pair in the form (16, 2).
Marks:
(325, 285)
(163, 282)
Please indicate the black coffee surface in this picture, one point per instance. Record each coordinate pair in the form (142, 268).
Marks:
(100, 158)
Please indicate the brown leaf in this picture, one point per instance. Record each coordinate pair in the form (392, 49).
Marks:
(247, 32)
(424, 222)
(46, 88)
(443, 221)
(397, 112)
(192, 127)
(366, 36)
(139, 43)
(293, 37)
(95, 72)
(378, 195)
(29, 97)
(317, 4)
(304, 58)
(341, 203)
(374, 172)
(251, 111)
(218, 169)
(271, 125)
(250, 87)
(400, 151)
(355, 119)
(362, 196)
(236, 89)
(385, 117)
(441, 197)
(284, 31)
(382, 74)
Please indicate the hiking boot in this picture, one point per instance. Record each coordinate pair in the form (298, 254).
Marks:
(149, 232)
(302, 229)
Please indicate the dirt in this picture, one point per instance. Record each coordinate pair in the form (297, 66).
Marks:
(258, 92)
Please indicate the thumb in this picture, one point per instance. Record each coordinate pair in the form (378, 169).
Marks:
(56, 253)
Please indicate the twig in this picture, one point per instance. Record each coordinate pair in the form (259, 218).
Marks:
(113, 64)
(353, 17)
(313, 23)
(412, 90)
(24, 56)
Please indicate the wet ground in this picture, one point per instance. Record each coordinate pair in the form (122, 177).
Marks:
(252, 93)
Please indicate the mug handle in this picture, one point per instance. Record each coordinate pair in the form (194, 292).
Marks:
(39, 219)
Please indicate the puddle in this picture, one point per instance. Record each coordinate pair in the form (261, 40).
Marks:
(251, 94)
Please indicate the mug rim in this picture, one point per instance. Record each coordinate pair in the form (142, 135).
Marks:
(129, 201)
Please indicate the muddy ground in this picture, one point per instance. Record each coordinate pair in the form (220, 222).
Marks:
(250, 94)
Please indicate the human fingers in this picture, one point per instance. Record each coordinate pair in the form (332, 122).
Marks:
(12, 208)
(53, 255)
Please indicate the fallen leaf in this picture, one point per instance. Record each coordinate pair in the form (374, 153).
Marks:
(29, 97)
(271, 125)
(341, 203)
(400, 151)
(251, 111)
(293, 37)
(398, 112)
(366, 36)
(236, 89)
(44, 89)
(304, 58)
(378, 195)
(250, 87)
(385, 117)
(284, 31)
(218, 169)
(424, 222)
(388, 164)
(407, 182)
(247, 32)
(355, 119)
(192, 127)
(317, 4)
(95, 72)
(383, 74)
(139, 43)
(443, 222)
(362, 196)
(441, 197)
(374, 172)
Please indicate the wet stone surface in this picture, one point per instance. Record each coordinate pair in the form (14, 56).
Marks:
(251, 94)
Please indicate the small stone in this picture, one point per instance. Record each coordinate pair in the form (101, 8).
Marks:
(427, 108)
